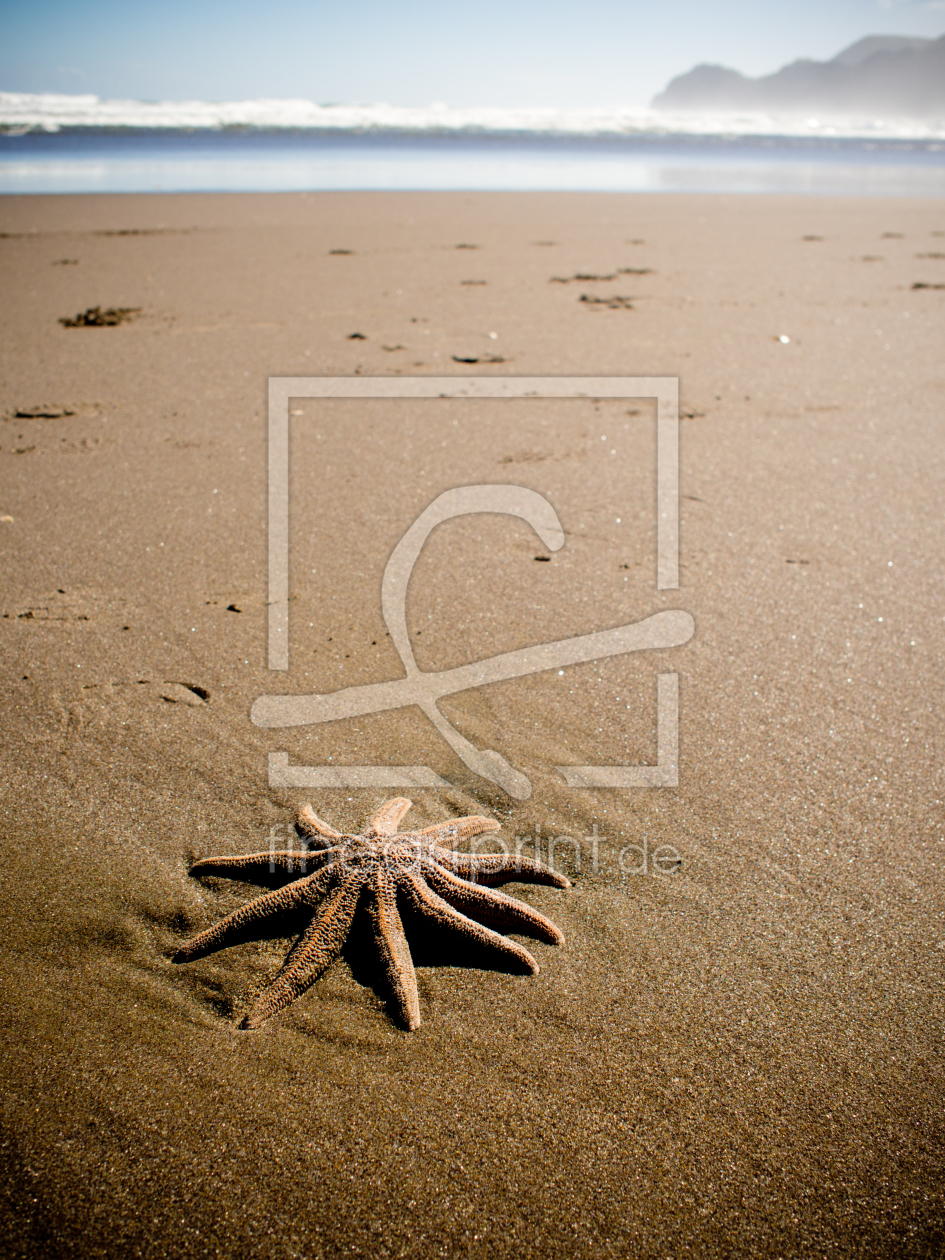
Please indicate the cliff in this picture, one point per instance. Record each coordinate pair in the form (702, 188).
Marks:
(879, 75)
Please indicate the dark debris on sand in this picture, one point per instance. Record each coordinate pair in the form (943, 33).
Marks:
(587, 276)
(614, 303)
(95, 317)
(42, 411)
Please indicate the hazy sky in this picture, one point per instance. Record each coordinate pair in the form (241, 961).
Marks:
(414, 52)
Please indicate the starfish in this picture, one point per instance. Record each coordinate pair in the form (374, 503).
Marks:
(382, 870)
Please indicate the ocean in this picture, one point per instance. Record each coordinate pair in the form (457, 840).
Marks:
(56, 144)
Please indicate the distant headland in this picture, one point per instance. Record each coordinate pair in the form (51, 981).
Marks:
(885, 75)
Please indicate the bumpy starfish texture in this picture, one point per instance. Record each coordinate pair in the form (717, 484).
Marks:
(382, 871)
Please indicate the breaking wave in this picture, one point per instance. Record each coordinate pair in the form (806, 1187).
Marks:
(21, 113)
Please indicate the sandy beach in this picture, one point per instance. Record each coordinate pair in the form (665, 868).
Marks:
(738, 1049)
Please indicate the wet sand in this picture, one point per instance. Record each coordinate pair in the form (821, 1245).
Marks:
(736, 1053)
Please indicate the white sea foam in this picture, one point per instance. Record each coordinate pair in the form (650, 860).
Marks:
(20, 112)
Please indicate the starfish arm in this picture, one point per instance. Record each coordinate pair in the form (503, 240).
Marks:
(318, 946)
(493, 909)
(384, 822)
(310, 825)
(492, 869)
(427, 903)
(247, 923)
(447, 833)
(246, 865)
(393, 950)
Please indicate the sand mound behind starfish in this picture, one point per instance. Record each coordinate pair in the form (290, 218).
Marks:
(384, 872)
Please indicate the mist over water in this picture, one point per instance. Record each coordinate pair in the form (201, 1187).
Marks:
(95, 160)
